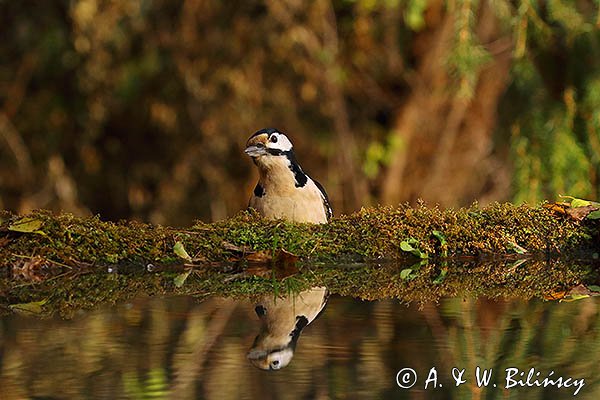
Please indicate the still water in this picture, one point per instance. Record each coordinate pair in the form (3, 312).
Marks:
(183, 348)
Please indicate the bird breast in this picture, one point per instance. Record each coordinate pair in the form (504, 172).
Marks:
(282, 199)
(303, 204)
(282, 314)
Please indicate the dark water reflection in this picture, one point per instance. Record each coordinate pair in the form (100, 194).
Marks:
(179, 348)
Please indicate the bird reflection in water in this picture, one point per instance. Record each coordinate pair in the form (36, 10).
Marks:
(281, 322)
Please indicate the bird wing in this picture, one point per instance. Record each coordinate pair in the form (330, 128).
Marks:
(328, 210)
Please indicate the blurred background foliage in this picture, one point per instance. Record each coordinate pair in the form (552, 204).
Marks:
(141, 108)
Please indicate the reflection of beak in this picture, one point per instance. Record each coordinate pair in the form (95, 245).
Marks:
(256, 150)
(256, 354)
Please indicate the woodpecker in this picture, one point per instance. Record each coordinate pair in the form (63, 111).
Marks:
(283, 190)
(282, 320)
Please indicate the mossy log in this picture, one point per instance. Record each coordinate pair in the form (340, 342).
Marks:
(441, 252)
(373, 233)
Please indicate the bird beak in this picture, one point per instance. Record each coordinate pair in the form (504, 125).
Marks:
(256, 150)
(256, 354)
(256, 146)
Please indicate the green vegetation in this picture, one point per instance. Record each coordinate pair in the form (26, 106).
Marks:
(370, 234)
(413, 254)
(72, 291)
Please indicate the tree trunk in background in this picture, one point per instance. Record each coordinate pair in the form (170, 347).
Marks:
(446, 138)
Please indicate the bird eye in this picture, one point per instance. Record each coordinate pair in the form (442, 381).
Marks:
(273, 139)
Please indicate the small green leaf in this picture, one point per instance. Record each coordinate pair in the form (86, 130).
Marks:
(443, 242)
(580, 203)
(575, 202)
(405, 273)
(180, 251)
(405, 246)
(412, 272)
(575, 297)
(594, 215)
(594, 288)
(35, 307)
(440, 278)
(409, 247)
(180, 279)
(27, 225)
(440, 236)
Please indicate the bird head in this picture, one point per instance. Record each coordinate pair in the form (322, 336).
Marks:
(274, 346)
(271, 360)
(267, 143)
(282, 321)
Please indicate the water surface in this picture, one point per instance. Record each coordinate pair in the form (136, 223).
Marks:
(181, 347)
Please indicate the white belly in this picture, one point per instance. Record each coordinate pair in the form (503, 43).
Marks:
(303, 204)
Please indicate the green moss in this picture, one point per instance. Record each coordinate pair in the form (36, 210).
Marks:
(491, 279)
(67, 264)
(368, 234)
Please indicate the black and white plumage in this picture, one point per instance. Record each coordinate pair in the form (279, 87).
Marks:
(284, 191)
(282, 320)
